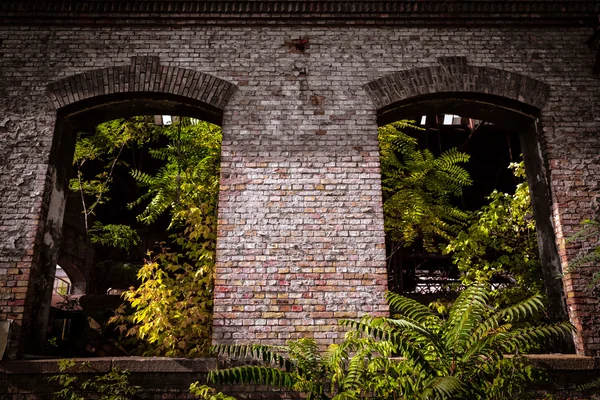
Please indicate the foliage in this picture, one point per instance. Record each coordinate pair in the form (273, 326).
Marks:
(417, 188)
(593, 384)
(298, 366)
(173, 303)
(161, 311)
(467, 346)
(190, 176)
(207, 393)
(98, 161)
(113, 385)
(117, 236)
(501, 241)
(460, 355)
(105, 146)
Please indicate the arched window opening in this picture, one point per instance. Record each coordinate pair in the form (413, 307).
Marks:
(457, 173)
(138, 238)
(143, 87)
(504, 98)
(498, 112)
(466, 200)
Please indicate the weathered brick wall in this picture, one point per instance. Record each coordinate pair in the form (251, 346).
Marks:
(301, 230)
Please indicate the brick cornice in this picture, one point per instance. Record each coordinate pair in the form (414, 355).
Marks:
(439, 10)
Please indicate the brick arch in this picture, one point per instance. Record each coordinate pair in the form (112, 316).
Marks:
(143, 74)
(455, 79)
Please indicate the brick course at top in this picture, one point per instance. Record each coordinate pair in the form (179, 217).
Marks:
(301, 239)
(315, 10)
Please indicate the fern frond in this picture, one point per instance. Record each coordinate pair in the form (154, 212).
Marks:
(266, 354)
(404, 340)
(139, 200)
(443, 387)
(594, 384)
(521, 310)
(157, 206)
(536, 334)
(247, 375)
(162, 153)
(306, 355)
(346, 395)
(516, 312)
(452, 157)
(466, 314)
(356, 371)
(409, 308)
(488, 346)
(142, 178)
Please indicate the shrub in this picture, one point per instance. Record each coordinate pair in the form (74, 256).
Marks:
(461, 355)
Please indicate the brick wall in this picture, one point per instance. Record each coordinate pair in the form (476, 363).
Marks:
(301, 229)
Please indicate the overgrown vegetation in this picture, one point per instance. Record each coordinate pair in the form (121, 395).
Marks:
(98, 155)
(160, 309)
(173, 303)
(459, 355)
(447, 352)
(500, 241)
(417, 189)
(495, 243)
(113, 385)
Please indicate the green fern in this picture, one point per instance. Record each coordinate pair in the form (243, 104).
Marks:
(593, 384)
(266, 354)
(417, 187)
(192, 162)
(298, 366)
(257, 375)
(469, 344)
(458, 357)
